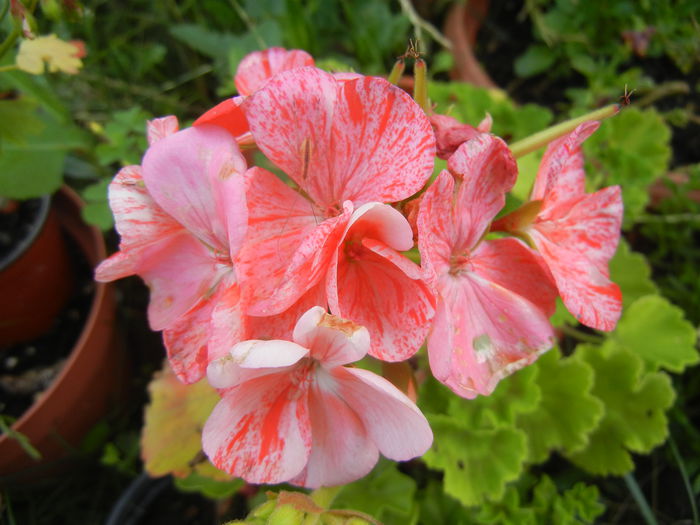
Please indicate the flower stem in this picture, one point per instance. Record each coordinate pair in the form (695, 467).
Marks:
(580, 335)
(8, 67)
(544, 137)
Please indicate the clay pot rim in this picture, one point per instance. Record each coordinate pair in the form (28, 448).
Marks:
(99, 297)
(26, 242)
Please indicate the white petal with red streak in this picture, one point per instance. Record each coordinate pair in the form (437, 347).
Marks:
(258, 67)
(159, 128)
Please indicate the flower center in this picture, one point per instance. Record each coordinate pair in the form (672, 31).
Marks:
(460, 264)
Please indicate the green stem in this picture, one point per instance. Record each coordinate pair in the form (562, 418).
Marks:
(544, 137)
(8, 67)
(580, 335)
(10, 40)
(639, 498)
(686, 481)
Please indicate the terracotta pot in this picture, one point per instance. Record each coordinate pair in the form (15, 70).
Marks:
(36, 279)
(91, 377)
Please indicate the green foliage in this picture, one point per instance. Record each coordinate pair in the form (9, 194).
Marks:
(96, 210)
(635, 404)
(385, 493)
(631, 272)
(124, 138)
(567, 412)
(631, 149)
(209, 487)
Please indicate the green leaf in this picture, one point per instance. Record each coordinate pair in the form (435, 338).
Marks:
(477, 463)
(657, 331)
(535, 60)
(632, 150)
(514, 395)
(567, 412)
(34, 167)
(385, 493)
(171, 439)
(438, 508)
(18, 120)
(631, 271)
(209, 487)
(96, 210)
(212, 43)
(635, 405)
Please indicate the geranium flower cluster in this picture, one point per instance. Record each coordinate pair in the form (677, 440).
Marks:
(271, 285)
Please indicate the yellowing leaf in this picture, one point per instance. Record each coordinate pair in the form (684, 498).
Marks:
(56, 54)
(171, 439)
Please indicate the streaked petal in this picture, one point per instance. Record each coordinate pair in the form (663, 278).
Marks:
(382, 290)
(159, 128)
(383, 223)
(229, 322)
(485, 170)
(437, 232)
(341, 449)
(450, 134)
(561, 175)
(491, 333)
(361, 140)
(392, 420)
(258, 67)
(333, 341)
(196, 175)
(260, 430)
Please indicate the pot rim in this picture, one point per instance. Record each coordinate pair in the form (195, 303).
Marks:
(36, 229)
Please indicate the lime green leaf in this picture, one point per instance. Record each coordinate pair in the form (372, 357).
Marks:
(171, 439)
(537, 59)
(567, 412)
(516, 394)
(96, 210)
(562, 316)
(477, 463)
(579, 504)
(385, 493)
(207, 486)
(507, 511)
(635, 404)
(527, 172)
(656, 331)
(632, 273)
(632, 150)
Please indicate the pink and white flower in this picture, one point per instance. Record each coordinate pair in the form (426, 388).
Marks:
(495, 296)
(576, 232)
(350, 145)
(292, 411)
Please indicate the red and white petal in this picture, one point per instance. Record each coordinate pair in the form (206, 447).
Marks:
(196, 175)
(362, 140)
(383, 223)
(450, 134)
(511, 264)
(493, 332)
(333, 341)
(437, 233)
(394, 423)
(229, 322)
(179, 275)
(561, 175)
(341, 449)
(253, 358)
(485, 170)
(260, 430)
(186, 343)
(159, 128)
(258, 67)
(228, 115)
(383, 291)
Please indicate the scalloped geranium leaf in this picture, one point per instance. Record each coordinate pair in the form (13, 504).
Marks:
(171, 439)
(579, 504)
(385, 493)
(477, 463)
(635, 409)
(516, 394)
(632, 150)
(632, 273)
(657, 331)
(567, 412)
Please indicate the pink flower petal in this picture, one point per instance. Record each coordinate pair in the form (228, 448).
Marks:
(392, 420)
(253, 358)
(143, 226)
(229, 323)
(258, 67)
(450, 134)
(228, 115)
(260, 430)
(485, 170)
(333, 341)
(577, 247)
(561, 175)
(159, 128)
(196, 175)
(382, 223)
(380, 289)
(362, 140)
(511, 264)
(483, 333)
(341, 449)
